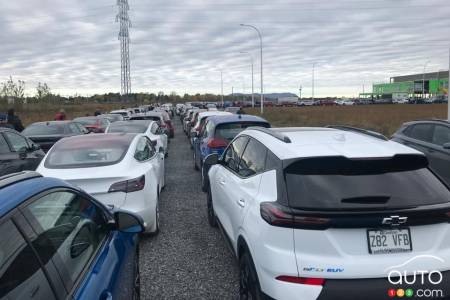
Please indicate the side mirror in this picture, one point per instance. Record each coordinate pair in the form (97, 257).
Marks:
(128, 222)
(447, 146)
(154, 143)
(211, 160)
(194, 134)
(23, 152)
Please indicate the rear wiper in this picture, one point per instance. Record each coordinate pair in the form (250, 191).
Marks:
(367, 200)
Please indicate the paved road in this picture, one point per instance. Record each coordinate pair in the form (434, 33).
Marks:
(188, 259)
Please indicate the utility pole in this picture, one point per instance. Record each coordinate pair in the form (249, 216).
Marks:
(221, 87)
(312, 94)
(261, 48)
(448, 88)
(300, 92)
(124, 38)
(423, 79)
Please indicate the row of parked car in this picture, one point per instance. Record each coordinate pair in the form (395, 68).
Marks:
(326, 212)
(70, 229)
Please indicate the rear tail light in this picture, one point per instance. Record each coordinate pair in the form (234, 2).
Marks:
(278, 215)
(302, 280)
(217, 143)
(128, 186)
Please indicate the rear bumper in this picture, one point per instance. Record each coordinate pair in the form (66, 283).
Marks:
(377, 289)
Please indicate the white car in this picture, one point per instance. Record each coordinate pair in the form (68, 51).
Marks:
(330, 213)
(150, 128)
(124, 113)
(120, 170)
(306, 102)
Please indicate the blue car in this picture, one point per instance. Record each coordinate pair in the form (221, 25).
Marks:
(217, 133)
(57, 242)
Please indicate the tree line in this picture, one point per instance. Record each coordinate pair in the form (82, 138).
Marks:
(13, 92)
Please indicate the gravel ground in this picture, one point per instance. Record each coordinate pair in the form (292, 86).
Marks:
(188, 259)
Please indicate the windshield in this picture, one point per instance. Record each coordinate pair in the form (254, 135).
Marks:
(44, 129)
(88, 151)
(229, 131)
(342, 184)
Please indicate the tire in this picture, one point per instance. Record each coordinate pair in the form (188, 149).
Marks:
(156, 231)
(195, 162)
(249, 287)
(212, 219)
(137, 279)
(204, 181)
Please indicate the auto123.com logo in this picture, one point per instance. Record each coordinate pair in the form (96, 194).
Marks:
(416, 283)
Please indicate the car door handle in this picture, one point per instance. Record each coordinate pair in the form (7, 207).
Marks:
(431, 150)
(222, 181)
(241, 202)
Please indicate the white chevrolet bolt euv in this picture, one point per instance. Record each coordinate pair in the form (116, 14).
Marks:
(150, 128)
(330, 213)
(120, 170)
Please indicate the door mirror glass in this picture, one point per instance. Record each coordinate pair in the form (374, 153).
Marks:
(128, 222)
(194, 134)
(446, 146)
(211, 159)
(154, 143)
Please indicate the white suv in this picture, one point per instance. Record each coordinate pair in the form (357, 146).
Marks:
(330, 213)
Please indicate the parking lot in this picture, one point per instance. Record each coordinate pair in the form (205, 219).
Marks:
(188, 259)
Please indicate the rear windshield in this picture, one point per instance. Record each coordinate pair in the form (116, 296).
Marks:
(44, 129)
(127, 128)
(343, 184)
(87, 153)
(152, 118)
(229, 131)
(87, 121)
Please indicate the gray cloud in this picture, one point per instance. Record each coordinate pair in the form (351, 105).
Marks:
(181, 45)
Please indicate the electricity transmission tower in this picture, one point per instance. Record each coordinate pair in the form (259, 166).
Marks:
(124, 39)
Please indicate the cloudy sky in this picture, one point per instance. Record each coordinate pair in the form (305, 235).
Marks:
(182, 45)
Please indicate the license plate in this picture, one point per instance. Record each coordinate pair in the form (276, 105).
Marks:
(389, 241)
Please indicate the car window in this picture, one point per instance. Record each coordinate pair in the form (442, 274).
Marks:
(441, 135)
(74, 128)
(17, 142)
(228, 131)
(208, 129)
(21, 276)
(253, 159)
(395, 183)
(421, 132)
(234, 152)
(144, 150)
(4, 148)
(70, 229)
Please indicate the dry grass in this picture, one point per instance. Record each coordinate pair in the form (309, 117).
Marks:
(382, 118)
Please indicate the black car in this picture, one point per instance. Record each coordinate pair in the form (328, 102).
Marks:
(17, 153)
(431, 137)
(46, 134)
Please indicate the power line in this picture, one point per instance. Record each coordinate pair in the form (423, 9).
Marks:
(124, 38)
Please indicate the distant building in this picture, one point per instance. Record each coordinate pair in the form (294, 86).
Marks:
(411, 86)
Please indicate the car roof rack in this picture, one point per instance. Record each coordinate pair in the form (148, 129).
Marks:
(17, 177)
(275, 134)
(360, 130)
